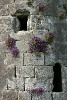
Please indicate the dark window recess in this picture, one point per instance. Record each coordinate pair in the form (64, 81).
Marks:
(57, 81)
(23, 22)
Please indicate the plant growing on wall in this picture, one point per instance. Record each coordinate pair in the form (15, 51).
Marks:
(11, 46)
(37, 45)
(40, 5)
(10, 41)
(37, 90)
(49, 36)
(62, 13)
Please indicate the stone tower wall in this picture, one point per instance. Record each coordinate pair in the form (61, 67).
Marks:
(18, 75)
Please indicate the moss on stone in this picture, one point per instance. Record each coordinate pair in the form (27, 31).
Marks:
(22, 13)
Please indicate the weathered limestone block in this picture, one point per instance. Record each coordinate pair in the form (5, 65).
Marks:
(42, 96)
(24, 95)
(47, 84)
(20, 2)
(50, 58)
(9, 59)
(25, 71)
(32, 83)
(6, 20)
(3, 77)
(2, 58)
(10, 84)
(16, 83)
(3, 28)
(10, 95)
(60, 96)
(10, 71)
(64, 86)
(7, 9)
(24, 35)
(33, 59)
(64, 72)
(3, 2)
(22, 45)
(3, 49)
(45, 72)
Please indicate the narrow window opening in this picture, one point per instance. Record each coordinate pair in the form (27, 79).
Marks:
(57, 81)
(23, 22)
(21, 18)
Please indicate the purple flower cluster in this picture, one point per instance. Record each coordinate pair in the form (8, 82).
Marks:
(11, 45)
(41, 5)
(37, 45)
(10, 41)
(14, 50)
(36, 90)
(49, 36)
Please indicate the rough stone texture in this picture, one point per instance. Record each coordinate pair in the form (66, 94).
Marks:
(24, 95)
(10, 95)
(32, 70)
(2, 2)
(20, 2)
(43, 96)
(60, 96)
(32, 59)
(44, 72)
(25, 71)
(32, 83)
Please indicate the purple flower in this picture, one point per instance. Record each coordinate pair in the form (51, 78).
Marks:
(14, 50)
(37, 45)
(10, 41)
(41, 5)
(37, 90)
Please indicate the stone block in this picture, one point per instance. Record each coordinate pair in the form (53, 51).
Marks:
(9, 58)
(33, 59)
(2, 58)
(25, 71)
(22, 45)
(3, 28)
(3, 48)
(24, 35)
(3, 2)
(24, 95)
(32, 83)
(64, 72)
(20, 2)
(10, 95)
(6, 19)
(42, 96)
(45, 72)
(13, 60)
(16, 83)
(60, 96)
(10, 71)
(49, 59)
(7, 9)
(3, 76)
(64, 82)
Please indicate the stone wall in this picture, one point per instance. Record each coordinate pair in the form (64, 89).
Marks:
(28, 71)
